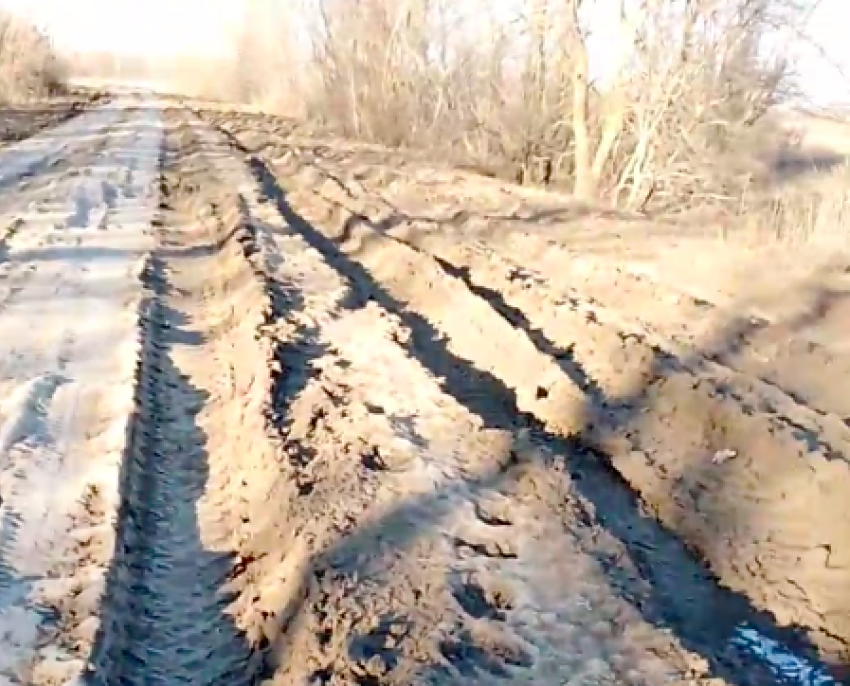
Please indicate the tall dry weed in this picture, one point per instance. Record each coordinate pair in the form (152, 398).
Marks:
(29, 67)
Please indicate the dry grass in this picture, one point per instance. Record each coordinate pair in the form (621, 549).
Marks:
(29, 68)
(809, 197)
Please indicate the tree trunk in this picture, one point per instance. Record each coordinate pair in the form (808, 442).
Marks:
(585, 186)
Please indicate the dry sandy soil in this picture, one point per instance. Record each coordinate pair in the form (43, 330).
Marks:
(291, 411)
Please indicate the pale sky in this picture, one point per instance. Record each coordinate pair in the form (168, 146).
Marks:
(826, 70)
(136, 26)
(205, 26)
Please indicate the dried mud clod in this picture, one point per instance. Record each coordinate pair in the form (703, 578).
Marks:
(489, 546)
(389, 459)
(483, 596)
(483, 650)
(494, 511)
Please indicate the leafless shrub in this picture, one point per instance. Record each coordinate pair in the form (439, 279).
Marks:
(520, 96)
(429, 73)
(808, 197)
(650, 104)
(29, 67)
(695, 111)
(817, 208)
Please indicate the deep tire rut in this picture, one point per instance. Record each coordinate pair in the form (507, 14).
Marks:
(169, 614)
(170, 629)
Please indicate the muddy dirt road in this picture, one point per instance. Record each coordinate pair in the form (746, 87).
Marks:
(285, 411)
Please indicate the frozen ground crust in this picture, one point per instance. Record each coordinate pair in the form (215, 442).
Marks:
(68, 291)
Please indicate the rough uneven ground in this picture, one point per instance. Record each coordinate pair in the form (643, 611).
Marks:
(26, 119)
(288, 411)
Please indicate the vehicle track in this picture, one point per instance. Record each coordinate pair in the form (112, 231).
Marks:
(714, 413)
(382, 270)
(785, 349)
(426, 567)
(198, 457)
(355, 459)
(63, 406)
(32, 215)
(22, 122)
(752, 417)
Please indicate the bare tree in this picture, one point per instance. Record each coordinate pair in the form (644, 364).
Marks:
(516, 90)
